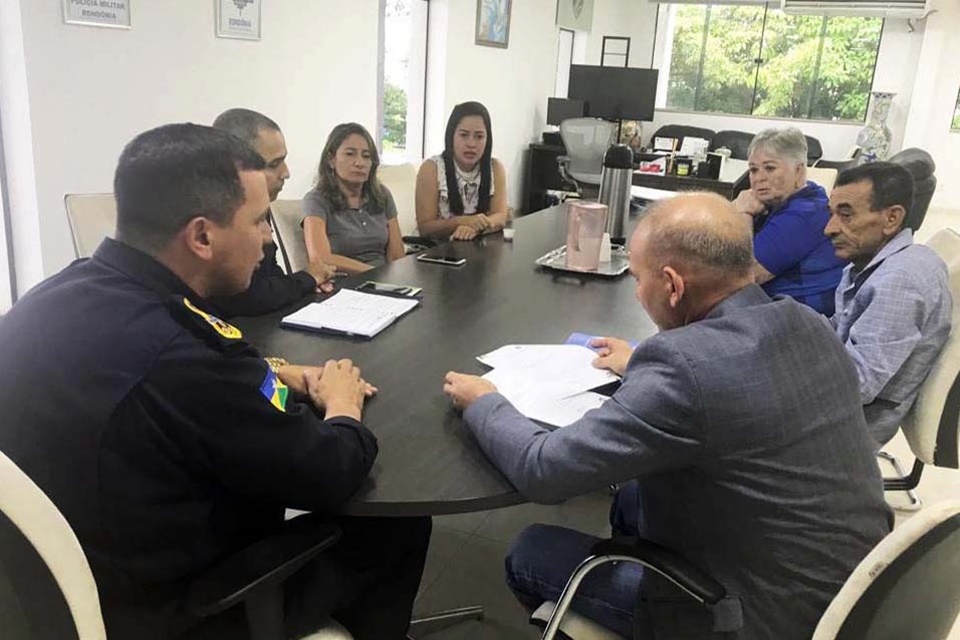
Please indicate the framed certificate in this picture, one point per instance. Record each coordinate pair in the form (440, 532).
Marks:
(238, 19)
(97, 13)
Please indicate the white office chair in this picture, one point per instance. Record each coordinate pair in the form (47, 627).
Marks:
(47, 589)
(287, 216)
(586, 140)
(906, 587)
(931, 427)
(401, 180)
(92, 217)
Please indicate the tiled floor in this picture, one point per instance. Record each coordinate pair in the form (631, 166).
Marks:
(465, 565)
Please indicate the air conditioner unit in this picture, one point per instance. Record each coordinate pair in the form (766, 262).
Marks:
(868, 8)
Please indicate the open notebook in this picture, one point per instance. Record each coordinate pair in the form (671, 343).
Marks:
(352, 313)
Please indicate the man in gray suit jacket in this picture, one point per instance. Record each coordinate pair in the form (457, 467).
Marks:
(742, 421)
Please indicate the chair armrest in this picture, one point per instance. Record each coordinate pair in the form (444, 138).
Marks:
(262, 565)
(665, 562)
(563, 159)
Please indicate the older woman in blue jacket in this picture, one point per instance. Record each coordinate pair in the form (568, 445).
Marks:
(789, 214)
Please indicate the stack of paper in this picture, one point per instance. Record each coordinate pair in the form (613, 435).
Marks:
(548, 382)
(349, 312)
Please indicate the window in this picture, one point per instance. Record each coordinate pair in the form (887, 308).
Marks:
(403, 67)
(756, 60)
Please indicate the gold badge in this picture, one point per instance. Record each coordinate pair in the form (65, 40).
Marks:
(225, 329)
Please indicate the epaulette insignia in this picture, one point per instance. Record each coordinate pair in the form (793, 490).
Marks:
(274, 391)
(225, 329)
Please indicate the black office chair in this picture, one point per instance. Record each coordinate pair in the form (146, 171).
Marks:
(814, 151)
(737, 141)
(840, 165)
(681, 131)
(906, 587)
(921, 165)
(47, 591)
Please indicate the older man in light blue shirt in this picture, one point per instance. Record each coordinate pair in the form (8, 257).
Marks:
(893, 304)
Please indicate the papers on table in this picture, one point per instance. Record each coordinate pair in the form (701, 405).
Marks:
(548, 382)
(352, 313)
(694, 146)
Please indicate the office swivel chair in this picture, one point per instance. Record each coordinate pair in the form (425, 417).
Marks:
(92, 217)
(921, 165)
(906, 587)
(48, 592)
(586, 140)
(931, 427)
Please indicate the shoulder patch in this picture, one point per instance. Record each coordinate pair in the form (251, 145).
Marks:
(225, 329)
(274, 391)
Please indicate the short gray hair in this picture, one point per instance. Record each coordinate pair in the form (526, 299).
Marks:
(246, 124)
(786, 144)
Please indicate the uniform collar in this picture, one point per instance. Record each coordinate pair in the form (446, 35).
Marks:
(146, 270)
(896, 244)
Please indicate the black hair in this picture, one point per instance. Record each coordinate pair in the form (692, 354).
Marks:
(169, 175)
(461, 111)
(891, 184)
(245, 124)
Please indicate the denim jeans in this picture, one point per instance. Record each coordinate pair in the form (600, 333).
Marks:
(542, 558)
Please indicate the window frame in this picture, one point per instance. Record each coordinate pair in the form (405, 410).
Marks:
(665, 54)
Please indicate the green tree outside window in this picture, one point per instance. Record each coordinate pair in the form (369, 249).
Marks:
(759, 61)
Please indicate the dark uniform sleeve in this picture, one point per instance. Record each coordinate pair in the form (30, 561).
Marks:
(228, 419)
(270, 289)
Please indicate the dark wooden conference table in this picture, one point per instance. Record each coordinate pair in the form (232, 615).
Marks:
(429, 463)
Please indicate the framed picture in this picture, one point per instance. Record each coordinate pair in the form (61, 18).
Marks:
(115, 13)
(493, 23)
(238, 19)
(575, 14)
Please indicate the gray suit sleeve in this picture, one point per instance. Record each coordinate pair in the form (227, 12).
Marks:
(651, 424)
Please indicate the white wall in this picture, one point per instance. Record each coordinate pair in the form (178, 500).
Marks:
(933, 101)
(512, 83)
(92, 89)
(18, 148)
(635, 20)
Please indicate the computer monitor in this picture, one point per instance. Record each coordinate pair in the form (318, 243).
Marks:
(615, 93)
(560, 109)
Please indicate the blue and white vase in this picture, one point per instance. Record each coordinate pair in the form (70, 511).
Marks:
(874, 138)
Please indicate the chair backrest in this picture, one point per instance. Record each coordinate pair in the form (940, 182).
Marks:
(92, 217)
(586, 140)
(822, 176)
(287, 216)
(737, 141)
(681, 131)
(921, 166)
(931, 427)
(906, 587)
(814, 150)
(53, 591)
(401, 180)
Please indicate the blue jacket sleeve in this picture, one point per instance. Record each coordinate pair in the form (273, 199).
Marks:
(791, 233)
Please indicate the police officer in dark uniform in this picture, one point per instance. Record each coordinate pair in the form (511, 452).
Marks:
(165, 439)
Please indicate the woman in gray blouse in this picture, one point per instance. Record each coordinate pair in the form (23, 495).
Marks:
(462, 192)
(350, 218)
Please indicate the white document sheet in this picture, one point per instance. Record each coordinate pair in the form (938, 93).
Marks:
(565, 368)
(548, 382)
(351, 312)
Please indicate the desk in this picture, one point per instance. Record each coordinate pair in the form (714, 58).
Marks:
(541, 174)
(683, 183)
(429, 463)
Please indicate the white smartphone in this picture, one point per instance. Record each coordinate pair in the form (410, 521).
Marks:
(453, 262)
